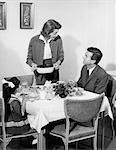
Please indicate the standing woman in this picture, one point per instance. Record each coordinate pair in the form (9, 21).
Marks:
(46, 50)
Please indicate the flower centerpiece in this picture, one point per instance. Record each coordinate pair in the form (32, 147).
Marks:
(64, 89)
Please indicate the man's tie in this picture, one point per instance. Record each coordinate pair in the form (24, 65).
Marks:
(87, 74)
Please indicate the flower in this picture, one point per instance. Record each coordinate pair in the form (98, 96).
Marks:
(64, 89)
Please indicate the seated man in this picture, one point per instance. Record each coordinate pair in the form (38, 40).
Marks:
(93, 78)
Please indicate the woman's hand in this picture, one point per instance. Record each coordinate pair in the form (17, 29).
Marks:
(10, 84)
(33, 66)
(57, 65)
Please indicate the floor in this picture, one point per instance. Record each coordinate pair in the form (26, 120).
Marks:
(53, 143)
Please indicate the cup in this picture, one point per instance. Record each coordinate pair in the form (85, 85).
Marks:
(42, 94)
(24, 84)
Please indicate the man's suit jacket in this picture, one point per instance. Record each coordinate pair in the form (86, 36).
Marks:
(96, 82)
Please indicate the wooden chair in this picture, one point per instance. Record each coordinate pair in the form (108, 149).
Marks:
(114, 114)
(110, 94)
(24, 78)
(80, 111)
(5, 137)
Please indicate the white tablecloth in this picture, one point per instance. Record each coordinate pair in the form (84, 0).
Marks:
(41, 112)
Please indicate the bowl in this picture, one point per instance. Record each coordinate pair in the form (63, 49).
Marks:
(45, 70)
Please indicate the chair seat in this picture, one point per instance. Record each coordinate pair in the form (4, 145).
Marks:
(7, 136)
(81, 121)
(77, 131)
(27, 133)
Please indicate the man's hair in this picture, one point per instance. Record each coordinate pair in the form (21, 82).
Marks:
(49, 27)
(97, 54)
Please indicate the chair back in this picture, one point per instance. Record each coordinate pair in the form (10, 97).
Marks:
(83, 110)
(114, 99)
(114, 88)
(2, 119)
(108, 92)
(7, 91)
(111, 89)
(2, 109)
(23, 78)
(114, 105)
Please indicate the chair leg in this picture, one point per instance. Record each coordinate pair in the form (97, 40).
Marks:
(95, 143)
(5, 143)
(113, 130)
(103, 130)
(66, 145)
(76, 145)
(38, 142)
(3, 146)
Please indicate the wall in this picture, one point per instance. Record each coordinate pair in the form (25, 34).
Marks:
(84, 23)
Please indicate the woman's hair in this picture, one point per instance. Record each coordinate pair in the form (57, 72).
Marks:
(97, 54)
(49, 27)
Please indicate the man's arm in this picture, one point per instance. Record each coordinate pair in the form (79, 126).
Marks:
(80, 80)
(101, 85)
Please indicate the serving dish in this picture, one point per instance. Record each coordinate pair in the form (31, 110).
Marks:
(45, 70)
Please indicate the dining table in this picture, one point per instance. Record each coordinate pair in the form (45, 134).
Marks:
(41, 112)
(42, 109)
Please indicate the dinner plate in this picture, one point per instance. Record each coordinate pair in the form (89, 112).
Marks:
(45, 70)
(33, 95)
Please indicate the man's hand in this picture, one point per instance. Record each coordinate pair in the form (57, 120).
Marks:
(33, 66)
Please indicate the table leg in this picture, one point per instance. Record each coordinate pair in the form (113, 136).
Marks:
(44, 140)
(103, 124)
(38, 142)
(41, 145)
